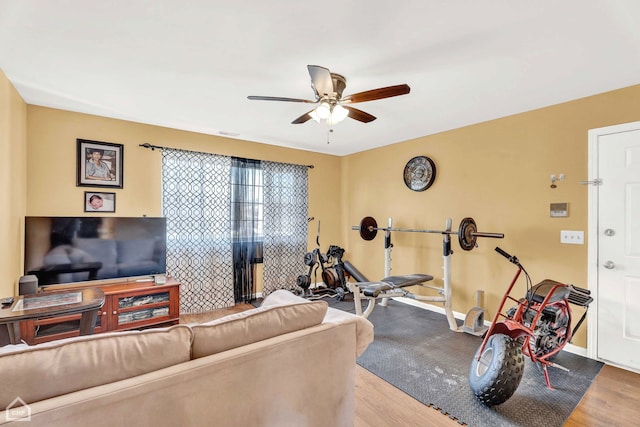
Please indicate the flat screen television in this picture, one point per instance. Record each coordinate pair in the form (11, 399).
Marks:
(62, 250)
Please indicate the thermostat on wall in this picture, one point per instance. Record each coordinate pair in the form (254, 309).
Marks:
(558, 209)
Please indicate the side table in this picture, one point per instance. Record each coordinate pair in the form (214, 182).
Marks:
(50, 304)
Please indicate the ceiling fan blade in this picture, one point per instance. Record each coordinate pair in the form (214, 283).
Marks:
(359, 115)
(383, 92)
(302, 119)
(278, 98)
(321, 81)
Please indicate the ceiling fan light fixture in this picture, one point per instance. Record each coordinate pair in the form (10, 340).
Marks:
(338, 114)
(324, 110)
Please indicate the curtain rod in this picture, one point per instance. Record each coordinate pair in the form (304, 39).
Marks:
(153, 147)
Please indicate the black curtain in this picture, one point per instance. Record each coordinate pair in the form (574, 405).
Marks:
(246, 225)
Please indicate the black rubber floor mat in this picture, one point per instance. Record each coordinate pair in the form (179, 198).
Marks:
(415, 351)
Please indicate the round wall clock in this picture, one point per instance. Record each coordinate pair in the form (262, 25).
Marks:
(419, 173)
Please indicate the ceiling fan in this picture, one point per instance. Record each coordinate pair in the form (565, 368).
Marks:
(328, 88)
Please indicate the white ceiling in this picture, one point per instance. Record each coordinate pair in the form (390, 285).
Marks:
(190, 64)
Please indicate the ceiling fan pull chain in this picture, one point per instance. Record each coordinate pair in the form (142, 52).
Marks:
(329, 132)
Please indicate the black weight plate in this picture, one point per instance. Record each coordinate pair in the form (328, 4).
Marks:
(368, 228)
(330, 277)
(303, 281)
(466, 238)
(310, 259)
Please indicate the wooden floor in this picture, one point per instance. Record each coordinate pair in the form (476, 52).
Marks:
(212, 315)
(611, 401)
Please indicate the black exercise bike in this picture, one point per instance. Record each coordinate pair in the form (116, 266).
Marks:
(539, 326)
(333, 272)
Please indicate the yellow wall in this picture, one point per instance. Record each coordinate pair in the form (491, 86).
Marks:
(52, 166)
(497, 172)
(13, 197)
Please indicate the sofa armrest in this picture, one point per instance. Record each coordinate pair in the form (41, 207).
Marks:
(281, 297)
(364, 328)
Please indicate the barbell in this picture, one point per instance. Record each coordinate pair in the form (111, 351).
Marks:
(467, 231)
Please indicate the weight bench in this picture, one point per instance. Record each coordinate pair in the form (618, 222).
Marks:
(389, 287)
(392, 286)
(374, 289)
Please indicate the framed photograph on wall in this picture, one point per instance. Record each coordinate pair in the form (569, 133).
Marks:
(99, 202)
(99, 164)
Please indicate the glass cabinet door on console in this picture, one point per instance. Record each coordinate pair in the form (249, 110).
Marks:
(144, 307)
(43, 330)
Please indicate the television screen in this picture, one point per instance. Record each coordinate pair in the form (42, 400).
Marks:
(77, 249)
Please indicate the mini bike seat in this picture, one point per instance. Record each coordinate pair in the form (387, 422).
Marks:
(540, 291)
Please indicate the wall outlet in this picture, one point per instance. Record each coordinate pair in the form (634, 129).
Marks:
(572, 237)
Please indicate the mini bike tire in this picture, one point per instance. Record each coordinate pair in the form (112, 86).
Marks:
(496, 379)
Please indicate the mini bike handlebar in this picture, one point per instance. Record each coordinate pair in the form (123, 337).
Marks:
(512, 258)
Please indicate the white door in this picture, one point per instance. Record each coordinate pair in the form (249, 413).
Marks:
(617, 236)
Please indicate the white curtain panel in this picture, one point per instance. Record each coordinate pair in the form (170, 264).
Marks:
(286, 200)
(196, 200)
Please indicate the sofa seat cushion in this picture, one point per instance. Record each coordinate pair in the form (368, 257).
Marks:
(255, 325)
(59, 367)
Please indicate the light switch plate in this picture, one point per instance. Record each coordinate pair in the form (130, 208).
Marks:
(572, 237)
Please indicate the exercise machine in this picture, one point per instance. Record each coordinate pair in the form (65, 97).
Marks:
(332, 273)
(393, 286)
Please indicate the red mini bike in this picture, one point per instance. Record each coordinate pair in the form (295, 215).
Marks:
(539, 326)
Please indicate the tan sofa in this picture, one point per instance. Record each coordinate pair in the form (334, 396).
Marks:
(290, 362)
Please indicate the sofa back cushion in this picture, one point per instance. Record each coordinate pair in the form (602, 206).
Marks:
(59, 367)
(255, 325)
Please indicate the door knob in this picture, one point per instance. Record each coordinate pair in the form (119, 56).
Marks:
(609, 232)
(609, 265)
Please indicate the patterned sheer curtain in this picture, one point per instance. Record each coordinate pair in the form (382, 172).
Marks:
(196, 199)
(286, 197)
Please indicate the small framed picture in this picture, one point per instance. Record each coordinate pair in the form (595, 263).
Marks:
(99, 202)
(99, 164)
